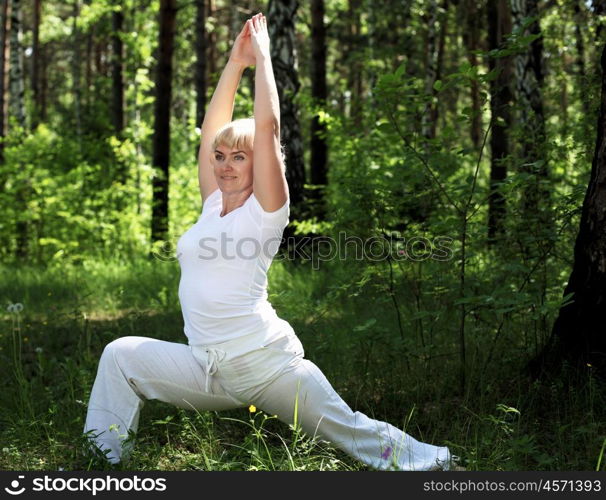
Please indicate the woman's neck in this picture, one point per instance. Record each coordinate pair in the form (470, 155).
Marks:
(231, 201)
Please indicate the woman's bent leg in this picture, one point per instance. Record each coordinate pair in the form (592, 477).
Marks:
(133, 369)
(322, 412)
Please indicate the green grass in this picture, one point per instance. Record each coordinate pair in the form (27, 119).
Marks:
(348, 325)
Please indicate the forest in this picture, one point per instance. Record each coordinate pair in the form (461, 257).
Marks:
(445, 258)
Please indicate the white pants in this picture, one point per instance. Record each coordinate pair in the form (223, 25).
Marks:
(237, 374)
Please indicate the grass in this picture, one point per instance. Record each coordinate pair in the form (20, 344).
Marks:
(50, 349)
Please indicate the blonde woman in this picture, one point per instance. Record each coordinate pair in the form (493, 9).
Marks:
(239, 352)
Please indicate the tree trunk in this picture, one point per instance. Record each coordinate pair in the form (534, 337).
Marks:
(536, 201)
(431, 67)
(88, 67)
(281, 17)
(17, 86)
(580, 18)
(599, 10)
(319, 149)
(44, 51)
(117, 69)
(17, 107)
(77, 91)
(4, 32)
(471, 40)
(578, 337)
(36, 65)
(499, 25)
(200, 47)
(212, 43)
(354, 76)
(161, 138)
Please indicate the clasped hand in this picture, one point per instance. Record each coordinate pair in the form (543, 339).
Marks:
(252, 42)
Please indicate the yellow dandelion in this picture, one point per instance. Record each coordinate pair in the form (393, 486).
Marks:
(252, 408)
(589, 365)
(25, 339)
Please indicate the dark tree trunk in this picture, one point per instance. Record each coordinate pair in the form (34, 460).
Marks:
(117, 69)
(599, 9)
(36, 66)
(44, 51)
(212, 43)
(499, 25)
(76, 56)
(200, 47)
(88, 69)
(4, 31)
(471, 40)
(319, 149)
(161, 137)
(281, 17)
(354, 77)
(578, 337)
(434, 55)
(580, 19)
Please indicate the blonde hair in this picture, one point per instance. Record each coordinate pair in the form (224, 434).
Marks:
(239, 134)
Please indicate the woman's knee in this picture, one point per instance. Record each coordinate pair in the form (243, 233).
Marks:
(116, 349)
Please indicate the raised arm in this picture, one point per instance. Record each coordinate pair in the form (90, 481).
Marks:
(221, 107)
(269, 182)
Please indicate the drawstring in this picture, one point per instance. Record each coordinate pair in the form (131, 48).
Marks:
(214, 356)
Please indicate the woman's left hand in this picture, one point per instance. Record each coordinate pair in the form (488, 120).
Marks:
(259, 35)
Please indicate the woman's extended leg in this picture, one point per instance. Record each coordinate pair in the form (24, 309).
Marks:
(133, 369)
(322, 412)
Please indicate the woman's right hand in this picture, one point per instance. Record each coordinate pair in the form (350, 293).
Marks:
(242, 51)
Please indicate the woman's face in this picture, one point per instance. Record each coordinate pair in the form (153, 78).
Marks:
(233, 168)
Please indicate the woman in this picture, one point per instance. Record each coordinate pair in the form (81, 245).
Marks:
(239, 351)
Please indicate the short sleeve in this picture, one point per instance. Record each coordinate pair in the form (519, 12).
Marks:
(278, 218)
(211, 199)
(211, 196)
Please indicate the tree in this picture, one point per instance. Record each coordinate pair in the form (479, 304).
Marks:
(578, 335)
(200, 48)
(319, 149)
(434, 56)
(354, 66)
(17, 86)
(499, 25)
(117, 65)
(161, 137)
(529, 76)
(281, 16)
(37, 111)
(470, 13)
(4, 30)
(17, 107)
(76, 56)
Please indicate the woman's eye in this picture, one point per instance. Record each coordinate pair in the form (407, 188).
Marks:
(239, 157)
(218, 157)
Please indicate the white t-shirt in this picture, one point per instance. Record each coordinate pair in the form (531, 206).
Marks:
(224, 263)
